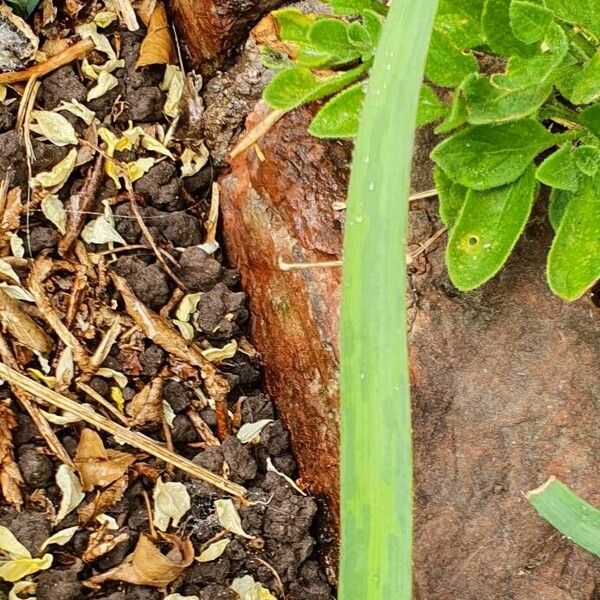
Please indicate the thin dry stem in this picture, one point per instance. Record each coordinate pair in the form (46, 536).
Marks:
(256, 133)
(135, 439)
(92, 393)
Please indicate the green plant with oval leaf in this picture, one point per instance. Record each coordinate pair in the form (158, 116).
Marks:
(513, 86)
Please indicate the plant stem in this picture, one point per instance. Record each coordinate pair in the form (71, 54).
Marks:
(376, 463)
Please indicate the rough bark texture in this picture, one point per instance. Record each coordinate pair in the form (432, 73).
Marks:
(211, 28)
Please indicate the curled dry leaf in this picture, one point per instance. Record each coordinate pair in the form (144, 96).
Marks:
(173, 83)
(104, 500)
(229, 518)
(79, 110)
(145, 407)
(192, 161)
(21, 326)
(22, 587)
(11, 480)
(55, 212)
(157, 47)
(106, 82)
(101, 542)
(72, 494)
(101, 231)
(219, 354)
(97, 465)
(149, 566)
(171, 502)
(17, 247)
(60, 538)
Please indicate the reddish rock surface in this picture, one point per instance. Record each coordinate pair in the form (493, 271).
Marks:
(281, 208)
(505, 390)
(210, 28)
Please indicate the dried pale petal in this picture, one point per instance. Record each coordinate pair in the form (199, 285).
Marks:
(17, 292)
(229, 517)
(104, 18)
(168, 413)
(250, 431)
(65, 418)
(90, 30)
(180, 597)
(100, 231)
(65, 368)
(106, 82)
(14, 570)
(11, 546)
(17, 247)
(192, 161)
(79, 110)
(188, 306)
(213, 551)
(152, 144)
(54, 127)
(119, 377)
(60, 538)
(72, 492)
(138, 168)
(2, 92)
(116, 395)
(186, 329)
(22, 587)
(109, 138)
(176, 82)
(8, 272)
(218, 354)
(248, 589)
(55, 212)
(171, 502)
(107, 521)
(59, 174)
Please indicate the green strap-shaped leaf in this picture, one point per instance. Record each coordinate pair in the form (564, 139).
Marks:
(451, 197)
(448, 65)
(498, 32)
(574, 258)
(529, 21)
(557, 206)
(299, 85)
(431, 108)
(566, 511)
(339, 118)
(356, 7)
(590, 118)
(487, 156)
(559, 170)
(487, 229)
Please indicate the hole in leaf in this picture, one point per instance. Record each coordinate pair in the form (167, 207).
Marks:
(473, 240)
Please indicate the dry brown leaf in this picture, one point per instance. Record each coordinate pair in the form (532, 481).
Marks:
(11, 214)
(157, 47)
(144, 9)
(104, 500)
(101, 542)
(21, 326)
(72, 7)
(97, 465)
(11, 480)
(146, 406)
(149, 566)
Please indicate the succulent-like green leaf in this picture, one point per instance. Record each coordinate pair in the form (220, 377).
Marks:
(574, 258)
(356, 7)
(339, 118)
(575, 518)
(590, 118)
(451, 197)
(293, 24)
(499, 33)
(299, 85)
(448, 65)
(373, 23)
(487, 156)
(582, 13)
(529, 21)
(587, 158)
(457, 115)
(557, 206)
(460, 21)
(361, 40)
(487, 229)
(583, 85)
(431, 108)
(330, 36)
(559, 170)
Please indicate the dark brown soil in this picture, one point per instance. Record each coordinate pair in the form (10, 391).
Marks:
(278, 516)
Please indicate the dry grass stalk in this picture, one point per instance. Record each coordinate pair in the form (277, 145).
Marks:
(204, 431)
(137, 440)
(256, 133)
(34, 412)
(127, 14)
(104, 347)
(94, 395)
(54, 62)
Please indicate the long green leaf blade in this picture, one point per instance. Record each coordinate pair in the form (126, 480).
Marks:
(569, 513)
(376, 554)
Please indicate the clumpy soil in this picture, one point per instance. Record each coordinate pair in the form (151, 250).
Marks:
(278, 518)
